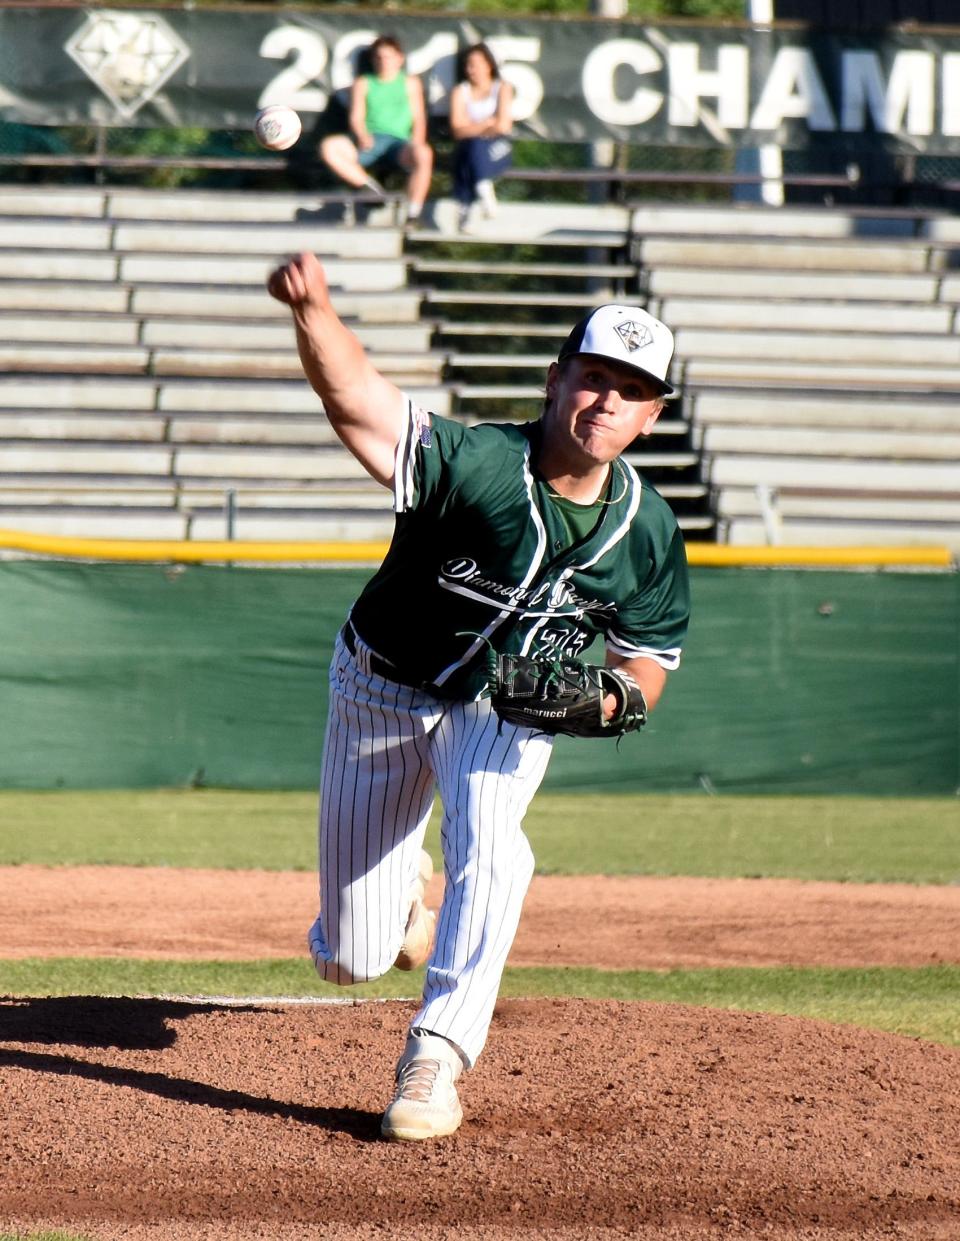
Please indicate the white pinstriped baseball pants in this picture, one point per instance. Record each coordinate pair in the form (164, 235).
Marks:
(388, 750)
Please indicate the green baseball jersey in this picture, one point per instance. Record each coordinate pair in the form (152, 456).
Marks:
(483, 554)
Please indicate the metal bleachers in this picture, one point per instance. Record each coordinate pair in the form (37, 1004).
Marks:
(151, 388)
(149, 382)
(505, 294)
(819, 355)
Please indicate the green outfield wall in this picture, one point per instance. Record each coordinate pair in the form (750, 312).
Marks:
(793, 680)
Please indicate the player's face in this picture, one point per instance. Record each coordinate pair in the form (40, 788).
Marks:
(596, 408)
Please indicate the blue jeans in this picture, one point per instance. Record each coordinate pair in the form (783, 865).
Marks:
(478, 159)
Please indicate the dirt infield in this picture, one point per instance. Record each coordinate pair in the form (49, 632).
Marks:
(162, 1120)
(621, 923)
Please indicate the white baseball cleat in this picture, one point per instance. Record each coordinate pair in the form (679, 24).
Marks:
(421, 922)
(425, 1104)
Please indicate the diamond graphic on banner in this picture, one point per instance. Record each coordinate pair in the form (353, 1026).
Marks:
(128, 55)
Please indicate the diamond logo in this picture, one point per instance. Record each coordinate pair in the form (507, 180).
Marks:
(128, 55)
(634, 335)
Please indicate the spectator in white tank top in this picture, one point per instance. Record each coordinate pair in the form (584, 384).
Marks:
(481, 117)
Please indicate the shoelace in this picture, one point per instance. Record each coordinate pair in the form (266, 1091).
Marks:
(417, 1080)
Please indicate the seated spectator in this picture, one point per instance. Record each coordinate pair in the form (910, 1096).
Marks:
(481, 116)
(388, 124)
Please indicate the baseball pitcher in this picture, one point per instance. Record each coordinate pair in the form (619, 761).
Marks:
(514, 547)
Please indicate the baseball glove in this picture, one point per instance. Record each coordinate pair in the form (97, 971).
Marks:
(563, 696)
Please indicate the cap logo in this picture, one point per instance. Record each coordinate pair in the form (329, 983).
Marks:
(634, 335)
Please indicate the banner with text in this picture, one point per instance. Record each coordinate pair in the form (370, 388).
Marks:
(690, 84)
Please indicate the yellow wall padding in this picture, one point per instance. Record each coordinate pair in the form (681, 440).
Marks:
(237, 551)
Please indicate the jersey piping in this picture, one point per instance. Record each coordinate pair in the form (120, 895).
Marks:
(633, 481)
(533, 569)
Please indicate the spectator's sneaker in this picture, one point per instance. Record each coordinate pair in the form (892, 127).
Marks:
(421, 923)
(425, 1104)
(488, 198)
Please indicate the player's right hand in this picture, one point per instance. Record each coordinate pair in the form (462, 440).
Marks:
(298, 281)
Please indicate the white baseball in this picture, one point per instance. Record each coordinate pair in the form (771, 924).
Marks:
(277, 127)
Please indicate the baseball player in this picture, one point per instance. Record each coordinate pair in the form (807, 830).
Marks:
(514, 547)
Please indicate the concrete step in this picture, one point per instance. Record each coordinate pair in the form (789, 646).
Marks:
(219, 239)
(23, 392)
(172, 395)
(335, 526)
(80, 329)
(130, 523)
(404, 370)
(841, 410)
(820, 317)
(31, 495)
(942, 230)
(76, 359)
(331, 494)
(395, 306)
(131, 427)
(768, 255)
(65, 297)
(413, 338)
(57, 234)
(306, 462)
(701, 344)
(799, 532)
(755, 220)
(267, 397)
(382, 275)
(579, 302)
(950, 290)
(809, 376)
(187, 205)
(844, 506)
(596, 224)
(64, 458)
(861, 444)
(850, 475)
(484, 329)
(202, 429)
(62, 266)
(653, 459)
(51, 201)
(680, 281)
(124, 329)
(566, 271)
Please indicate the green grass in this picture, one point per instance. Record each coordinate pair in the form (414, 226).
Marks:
(41, 1236)
(858, 839)
(921, 1003)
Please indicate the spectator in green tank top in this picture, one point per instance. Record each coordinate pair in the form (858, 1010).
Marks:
(388, 128)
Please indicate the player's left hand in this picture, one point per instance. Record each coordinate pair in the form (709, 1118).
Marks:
(565, 696)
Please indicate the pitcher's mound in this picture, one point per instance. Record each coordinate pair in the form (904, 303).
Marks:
(176, 1120)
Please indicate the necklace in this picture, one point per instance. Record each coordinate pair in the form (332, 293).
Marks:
(555, 495)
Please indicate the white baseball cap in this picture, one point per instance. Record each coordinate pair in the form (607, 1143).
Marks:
(624, 334)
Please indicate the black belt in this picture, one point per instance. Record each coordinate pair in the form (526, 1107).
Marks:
(376, 663)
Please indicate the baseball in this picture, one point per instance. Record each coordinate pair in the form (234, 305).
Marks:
(277, 127)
